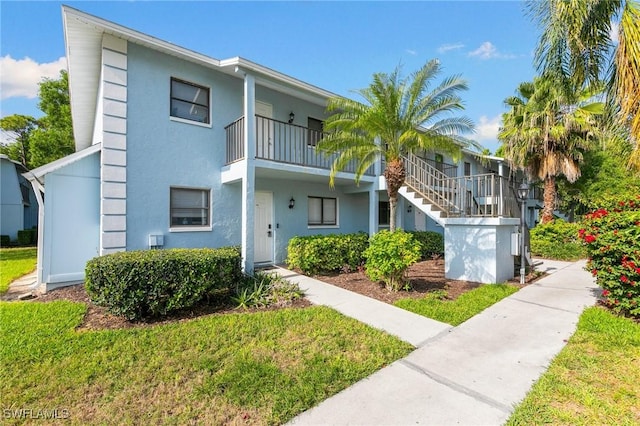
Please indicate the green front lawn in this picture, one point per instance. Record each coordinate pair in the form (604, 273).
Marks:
(594, 380)
(435, 306)
(14, 263)
(258, 368)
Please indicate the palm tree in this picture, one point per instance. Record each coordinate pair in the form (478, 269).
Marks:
(399, 116)
(578, 46)
(545, 133)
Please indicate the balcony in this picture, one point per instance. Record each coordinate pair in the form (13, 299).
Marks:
(281, 142)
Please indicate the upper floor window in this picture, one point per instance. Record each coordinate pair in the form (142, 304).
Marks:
(189, 101)
(190, 207)
(467, 169)
(323, 211)
(315, 129)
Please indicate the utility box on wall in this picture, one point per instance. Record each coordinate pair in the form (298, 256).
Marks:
(156, 241)
(515, 244)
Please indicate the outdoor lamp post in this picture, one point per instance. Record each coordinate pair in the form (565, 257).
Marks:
(523, 194)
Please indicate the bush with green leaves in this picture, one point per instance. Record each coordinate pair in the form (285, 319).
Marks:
(611, 235)
(27, 237)
(431, 243)
(151, 283)
(558, 240)
(327, 253)
(266, 289)
(389, 255)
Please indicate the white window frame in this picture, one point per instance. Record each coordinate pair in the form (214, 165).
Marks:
(186, 120)
(324, 225)
(192, 228)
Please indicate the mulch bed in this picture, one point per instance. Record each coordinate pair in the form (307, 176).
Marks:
(424, 277)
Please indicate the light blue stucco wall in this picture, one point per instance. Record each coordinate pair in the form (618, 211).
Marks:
(353, 210)
(11, 208)
(162, 153)
(15, 214)
(72, 220)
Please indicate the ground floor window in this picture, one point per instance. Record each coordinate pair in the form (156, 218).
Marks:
(190, 207)
(322, 211)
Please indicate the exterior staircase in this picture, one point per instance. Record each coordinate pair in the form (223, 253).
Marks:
(440, 196)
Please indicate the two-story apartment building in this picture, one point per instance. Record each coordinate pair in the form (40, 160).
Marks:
(178, 149)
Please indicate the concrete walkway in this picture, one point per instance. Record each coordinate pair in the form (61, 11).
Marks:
(22, 288)
(471, 374)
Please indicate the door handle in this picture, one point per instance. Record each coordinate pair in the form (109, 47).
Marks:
(268, 233)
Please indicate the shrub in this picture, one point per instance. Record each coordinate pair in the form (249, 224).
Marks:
(327, 253)
(5, 241)
(612, 238)
(151, 283)
(27, 237)
(389, 255)
(431, 243)
(558, 240)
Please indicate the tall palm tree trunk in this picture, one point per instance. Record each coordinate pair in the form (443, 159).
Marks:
(549, 199)
(394, 175)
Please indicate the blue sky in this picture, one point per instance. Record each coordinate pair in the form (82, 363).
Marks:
(334, 45)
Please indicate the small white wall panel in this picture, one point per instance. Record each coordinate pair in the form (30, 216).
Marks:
(115, 91)
(114, 173)
(115, 108)
(114, 59)
(114, 206)
(114, 140)
(115, 75)
(114, 157)
(114, 239)
(114, 190)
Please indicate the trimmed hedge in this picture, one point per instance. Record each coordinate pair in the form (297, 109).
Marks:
(152, 283)
(558, 240)
(327, 253)
(27, 237)
(431, 243)
(5, 241)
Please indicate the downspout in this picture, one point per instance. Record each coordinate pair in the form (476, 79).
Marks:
(38, 189)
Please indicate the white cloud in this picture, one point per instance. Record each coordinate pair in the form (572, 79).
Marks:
(487, 128)
(447, 47)
(20, 78)
(614, 32)
(412, 52)
(488, 50)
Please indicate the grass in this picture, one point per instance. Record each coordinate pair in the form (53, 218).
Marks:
(595, 379)
(455, 312)
(258, 368)
(14, 263)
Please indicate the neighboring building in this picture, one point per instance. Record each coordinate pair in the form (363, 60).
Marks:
(18, 206)
(166, 157)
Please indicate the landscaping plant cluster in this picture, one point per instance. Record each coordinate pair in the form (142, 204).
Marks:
(611, 235)
(385, 257)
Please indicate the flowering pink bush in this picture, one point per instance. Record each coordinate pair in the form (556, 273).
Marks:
(612, 238)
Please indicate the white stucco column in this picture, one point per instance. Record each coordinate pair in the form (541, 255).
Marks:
(248, 178)
(373, 210)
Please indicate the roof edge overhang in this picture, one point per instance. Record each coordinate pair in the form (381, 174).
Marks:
(40, 172)
(83, 43)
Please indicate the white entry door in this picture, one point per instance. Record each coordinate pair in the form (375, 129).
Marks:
(264, 231)
(420, 220)
(264, 130)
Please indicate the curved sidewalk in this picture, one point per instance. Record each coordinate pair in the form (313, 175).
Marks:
(471, 374)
